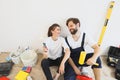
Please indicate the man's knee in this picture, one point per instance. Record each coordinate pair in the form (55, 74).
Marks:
(69, 73)
(99, 63)
(72, 77)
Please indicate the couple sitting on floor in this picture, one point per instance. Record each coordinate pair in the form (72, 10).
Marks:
(64, 53)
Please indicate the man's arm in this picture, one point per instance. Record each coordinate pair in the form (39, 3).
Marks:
(96, 51)
(75, 68)
(92, 60)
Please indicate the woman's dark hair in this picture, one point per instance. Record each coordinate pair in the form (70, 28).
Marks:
(74, 20)
(52, 28)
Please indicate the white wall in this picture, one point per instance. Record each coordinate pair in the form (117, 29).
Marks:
(25, 22)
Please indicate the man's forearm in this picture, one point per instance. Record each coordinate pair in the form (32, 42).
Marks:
(72, 63)
(96, 51)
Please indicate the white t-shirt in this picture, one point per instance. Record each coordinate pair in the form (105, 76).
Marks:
(55, 47)
(75, 44)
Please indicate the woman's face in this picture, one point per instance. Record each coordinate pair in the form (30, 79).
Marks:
(56, 31)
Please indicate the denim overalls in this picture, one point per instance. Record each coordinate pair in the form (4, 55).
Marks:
(75, 53)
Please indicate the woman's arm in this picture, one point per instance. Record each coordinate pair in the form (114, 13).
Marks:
(65, 58)
(45, 52)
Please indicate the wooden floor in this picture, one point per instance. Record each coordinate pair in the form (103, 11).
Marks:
(37, 73)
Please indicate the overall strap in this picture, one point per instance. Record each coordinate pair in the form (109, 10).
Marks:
(82, 43)
(83, 39)
(67, 42)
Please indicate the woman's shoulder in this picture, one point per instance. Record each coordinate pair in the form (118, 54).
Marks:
(47, 39)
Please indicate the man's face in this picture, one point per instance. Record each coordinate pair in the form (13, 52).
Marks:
(72, 27)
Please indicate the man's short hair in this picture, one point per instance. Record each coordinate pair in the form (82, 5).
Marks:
(74, 20)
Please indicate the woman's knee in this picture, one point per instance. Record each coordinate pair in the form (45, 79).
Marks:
(44, 62)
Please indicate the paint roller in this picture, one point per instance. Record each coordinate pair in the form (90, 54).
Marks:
(82, 58)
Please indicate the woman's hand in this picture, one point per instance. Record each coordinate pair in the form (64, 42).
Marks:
(45, 49)
(45, 56)
(61, 68)
(45, 52)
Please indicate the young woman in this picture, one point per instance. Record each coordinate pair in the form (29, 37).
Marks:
(56, 52)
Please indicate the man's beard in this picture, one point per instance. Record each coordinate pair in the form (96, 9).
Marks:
(73, 31)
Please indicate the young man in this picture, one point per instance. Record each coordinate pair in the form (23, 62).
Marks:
(76, 41)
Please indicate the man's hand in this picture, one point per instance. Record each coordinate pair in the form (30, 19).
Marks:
(91, 61)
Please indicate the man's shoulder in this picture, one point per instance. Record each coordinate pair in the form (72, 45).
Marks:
(60, 37)
(69, 38)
